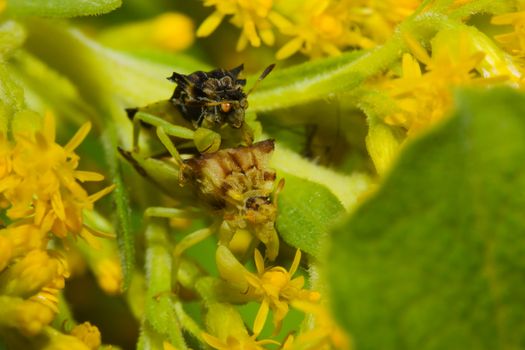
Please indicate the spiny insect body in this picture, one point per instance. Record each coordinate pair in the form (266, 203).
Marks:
(235, 184)
(205, 101)
(239, 183)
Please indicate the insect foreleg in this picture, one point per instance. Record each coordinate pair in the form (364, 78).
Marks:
(169, 128)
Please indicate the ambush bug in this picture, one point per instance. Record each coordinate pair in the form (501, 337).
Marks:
(233, 185)
(204, 108)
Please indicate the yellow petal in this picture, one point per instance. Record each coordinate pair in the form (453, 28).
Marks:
(78, 137)
(259, 261)
(267, 36)
(261, 317)
(49, 127)
(289, 48)
(90, 239)
(214, 342)
(58, 206)
(96, 196)
(83, 176)
(415, 47)
(296, 261)
(251, 33)
(210, 24)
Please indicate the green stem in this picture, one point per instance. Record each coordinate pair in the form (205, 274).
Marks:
(160, 307)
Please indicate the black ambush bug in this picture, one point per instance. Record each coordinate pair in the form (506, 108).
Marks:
(202, 104)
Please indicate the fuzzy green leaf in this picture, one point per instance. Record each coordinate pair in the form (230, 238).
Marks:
(435, 260)
(60, 8)
(322, 78)
(306, 212)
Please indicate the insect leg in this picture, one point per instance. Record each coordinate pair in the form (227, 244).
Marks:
(165, 140)
(169, 129)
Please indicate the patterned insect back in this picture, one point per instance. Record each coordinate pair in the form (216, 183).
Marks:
(211, 99)
(238, 183)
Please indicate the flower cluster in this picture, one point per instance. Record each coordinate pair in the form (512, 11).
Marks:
(274, 288)
(40, 198)
(315, 28)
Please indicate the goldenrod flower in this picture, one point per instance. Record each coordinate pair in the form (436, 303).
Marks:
(23, 237)
(323, 333)
(322, 28)
(27, 316)
(56, 340)
(316, 27)
(232, 343)
(109, 274)
(43, 182)
(514, 41)
(423, 98)
(170, 31)
(275, 289)
(6, 251)
(256, 18)
(32, 272)
(229, 332)
(328, 27)
(88, 334)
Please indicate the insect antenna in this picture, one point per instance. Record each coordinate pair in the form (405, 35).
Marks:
(261, 77)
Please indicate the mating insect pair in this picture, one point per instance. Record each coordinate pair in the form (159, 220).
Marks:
(234, 184)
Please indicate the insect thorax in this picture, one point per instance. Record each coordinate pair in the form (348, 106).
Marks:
(211, 99)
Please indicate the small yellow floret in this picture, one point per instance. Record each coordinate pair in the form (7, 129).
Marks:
(88, 334)
(173, 31)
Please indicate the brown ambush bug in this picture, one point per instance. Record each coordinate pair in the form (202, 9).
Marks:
(235, 186)
(202, 104)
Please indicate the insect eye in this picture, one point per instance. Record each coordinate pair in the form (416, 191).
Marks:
(226, 107)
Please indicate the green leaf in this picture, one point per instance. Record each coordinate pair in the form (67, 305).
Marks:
(306, 212)
(322, 78)
(61, 8)
(160, 308)
(435, 260)
(347, 188)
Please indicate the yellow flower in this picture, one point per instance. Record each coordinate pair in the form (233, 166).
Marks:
(24, 237)
(322, 334)
(27, 316)
(423, 98)
(231, 343)
(328, 27)
(88, 334)
(6, 251)
(32, 272)
(275, 289)
(109, 274)
(43, 182)
(255, 17)
(514, 41)
(171, 31)
(229, 332)
(56, 340)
